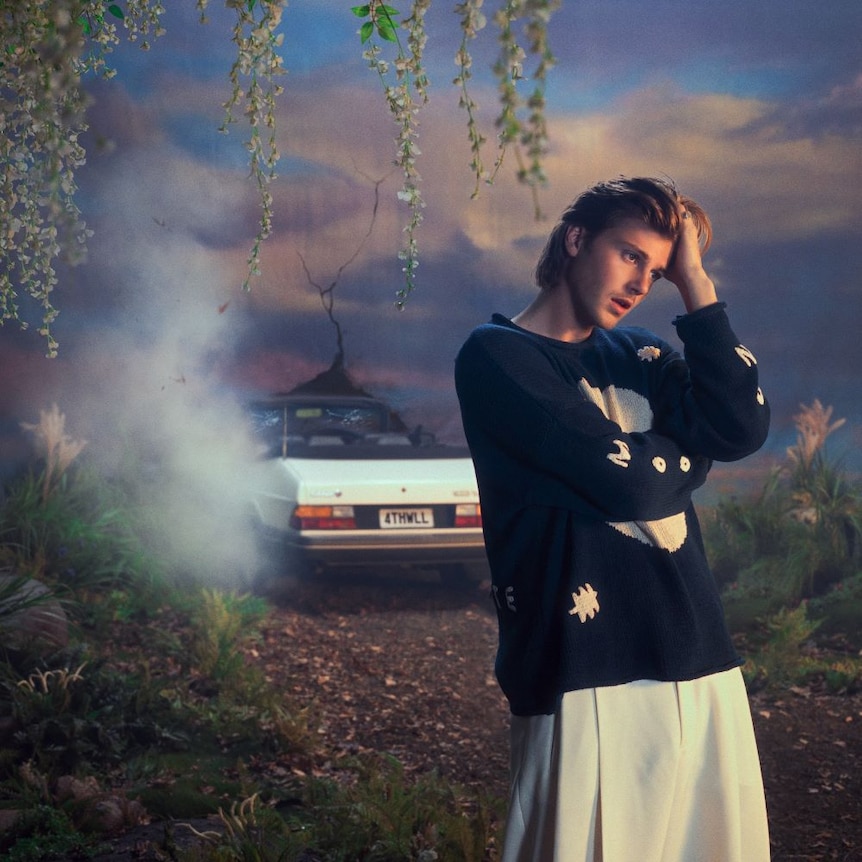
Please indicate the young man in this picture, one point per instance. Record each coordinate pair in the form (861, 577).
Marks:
(631, 731)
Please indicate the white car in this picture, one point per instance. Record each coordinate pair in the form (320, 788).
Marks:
(340, 484)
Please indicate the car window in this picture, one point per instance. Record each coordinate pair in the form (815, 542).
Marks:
(270, 421)
(316, 418)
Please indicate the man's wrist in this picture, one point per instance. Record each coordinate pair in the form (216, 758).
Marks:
(698, 293)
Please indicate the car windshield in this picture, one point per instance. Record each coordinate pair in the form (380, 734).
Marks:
(362, 420)
(305, 419)
(339, 429)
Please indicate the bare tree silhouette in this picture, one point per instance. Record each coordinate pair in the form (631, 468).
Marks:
(327, 294)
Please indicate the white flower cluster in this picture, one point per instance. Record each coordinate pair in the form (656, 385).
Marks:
(254, 89)
(409, 91)
(49, 45)
(48, 48)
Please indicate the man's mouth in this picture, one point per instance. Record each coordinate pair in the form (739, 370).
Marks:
(621, 303)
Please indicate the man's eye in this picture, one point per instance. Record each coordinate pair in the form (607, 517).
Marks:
(631, 256)
(656, 275)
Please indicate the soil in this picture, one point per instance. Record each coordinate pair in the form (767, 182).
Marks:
(405, 666)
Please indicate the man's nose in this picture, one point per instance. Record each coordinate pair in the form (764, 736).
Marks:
(641, 283)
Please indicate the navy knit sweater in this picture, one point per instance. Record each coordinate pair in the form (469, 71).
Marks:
(586, 455)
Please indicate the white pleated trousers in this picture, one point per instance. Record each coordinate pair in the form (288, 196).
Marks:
(642, 772)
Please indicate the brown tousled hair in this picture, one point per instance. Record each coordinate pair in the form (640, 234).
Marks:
(654, 202)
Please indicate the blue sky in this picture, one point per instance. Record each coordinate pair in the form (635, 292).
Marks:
(753, 109)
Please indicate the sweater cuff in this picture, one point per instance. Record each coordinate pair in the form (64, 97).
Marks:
(708, 311)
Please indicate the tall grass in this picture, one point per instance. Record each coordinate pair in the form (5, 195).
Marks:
(64, 525)
(801, 534)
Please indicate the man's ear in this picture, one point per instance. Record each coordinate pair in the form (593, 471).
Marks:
(575, 239)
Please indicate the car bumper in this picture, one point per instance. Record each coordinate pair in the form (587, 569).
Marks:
(381, 547)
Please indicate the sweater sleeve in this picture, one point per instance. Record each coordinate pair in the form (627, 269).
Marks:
(711, 403)
(524, 419)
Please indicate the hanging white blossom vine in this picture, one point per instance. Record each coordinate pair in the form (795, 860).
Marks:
(49, 46)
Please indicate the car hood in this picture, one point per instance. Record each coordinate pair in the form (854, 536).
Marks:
(389, 482)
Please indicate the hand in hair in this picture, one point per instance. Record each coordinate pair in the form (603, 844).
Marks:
(686, 267)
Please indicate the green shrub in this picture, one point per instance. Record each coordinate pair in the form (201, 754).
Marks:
(77, 716)
(843, 677)
(800, 535)
(840, 609)
(44, 832)
(249, 832)
(374, 813)
(223, 622)
(80, 539)
(785, 655)
(780, 660)
(383, 817)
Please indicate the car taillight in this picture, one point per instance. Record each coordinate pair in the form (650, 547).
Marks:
(468, 515)
(323, 518)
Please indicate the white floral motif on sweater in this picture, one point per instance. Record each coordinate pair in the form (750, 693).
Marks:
(632, 412)
(647, 354)
(585, 603)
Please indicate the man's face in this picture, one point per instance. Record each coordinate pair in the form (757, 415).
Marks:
(611, 272)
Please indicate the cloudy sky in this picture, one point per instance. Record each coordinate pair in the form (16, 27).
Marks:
(754, 109)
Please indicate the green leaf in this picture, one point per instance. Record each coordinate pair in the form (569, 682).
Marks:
(84, 21)
(361, 11)
(366, 31)
(387, 31)
(116, 11)
(390, 10)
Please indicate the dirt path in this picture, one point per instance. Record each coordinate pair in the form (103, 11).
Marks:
(407, 668)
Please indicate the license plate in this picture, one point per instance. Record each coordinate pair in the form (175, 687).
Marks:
(405, 519)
